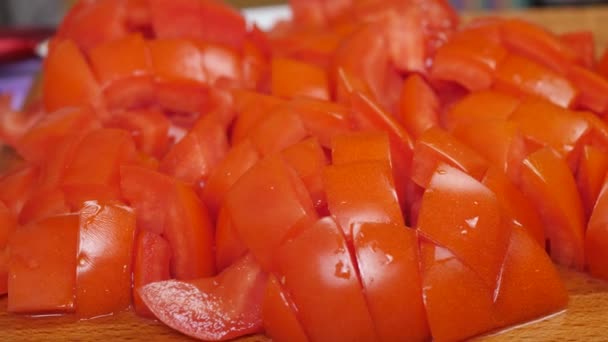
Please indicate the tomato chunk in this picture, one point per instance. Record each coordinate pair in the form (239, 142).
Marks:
(211, 309)
(311, 81)
(388, 262)
(42, 277)
(150, 264)
(418, 106)
(596, 238)
(279, 312)
(323, 282)
(546, 179)
(461, 214)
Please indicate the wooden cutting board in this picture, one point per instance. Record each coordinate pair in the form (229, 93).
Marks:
(586, 318)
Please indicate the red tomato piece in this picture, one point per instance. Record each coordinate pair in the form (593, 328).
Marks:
(323, 119)
(42, 204)
(240, 158)
(458, 302)
(17, 186)
(324, 285)
(523, 76)
(177, 60)
(311, 80)
(418, 106)
(150, 264)
(459, 62)
(596, 238)
(122, 58)
(68, 80)
(602, 64)
(461, 214)
(502, 144)
(590, 175)
(437, 146)
(388, 262)
(52, 129)
(149, 129)
(308, 160)
(213, 309)
(592, 89)
(107, 233)
(189, 231)
(228, 245)
(536, 43)
(97, 159)
(251, 108)
(546, 179)
(582, 43)
(131, 93)
(279, 130)
(280, 314)
(8, 224)
(194, 157)
(42, 277)
(360, 146)
(148, 192)
(90, 23)
(361, 192)
(271, 193)
(516, 207)
(480, 106)
(205, 20)
(220, 62)
(530, 286)
(548, 125)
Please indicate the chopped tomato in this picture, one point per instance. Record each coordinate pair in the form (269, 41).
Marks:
(418, 106)
(546, 179)
(279, 312)
(42, 277)
(597, 236)
(323, 282)
(311, 81)
(582, 43)
(105, 251)
(118, 59)
(592, 169)
(151, 264)
(214, 309)
(592, 89)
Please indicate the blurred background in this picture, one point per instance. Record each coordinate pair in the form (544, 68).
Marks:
(49, 12)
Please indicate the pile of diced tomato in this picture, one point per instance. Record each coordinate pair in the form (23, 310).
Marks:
(369, 170)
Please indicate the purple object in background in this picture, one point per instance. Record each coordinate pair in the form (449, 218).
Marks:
(16, 79)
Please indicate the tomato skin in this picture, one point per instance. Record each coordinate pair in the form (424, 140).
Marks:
(122, 58)
(8, 224)
(106, 234)
(437, 146)
(361, 191)
(467, 220)
(480, 106)
(206, 20)
(251, 107)
(582, 43)
(17, 187)
(152, 256)
(312, 80)
(323, 119)
(272, 193)
(149, 129)
(596, 237)
(591, 87)
(228, 245)
(68, 80)
(133, 92)
(42, 204)
(590, 174)
(360, 146)
(446, 279)
(523, 76)
(189, 231)
(527, 263)
(418, 106)
(177, 60)
(454, 63)
(323, 283)
(536, 43)
(388, 263)
(546, 179)
(308, 160)
(212, 309)
(193, 158)
(548, 125)
(280, 315)
(279, 130)
(42, 277)
(516, 207)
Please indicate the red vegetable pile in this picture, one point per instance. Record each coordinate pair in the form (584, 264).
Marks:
(370, 170)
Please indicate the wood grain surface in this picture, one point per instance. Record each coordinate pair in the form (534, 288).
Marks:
(586, 318)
